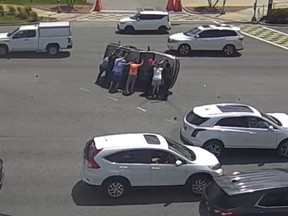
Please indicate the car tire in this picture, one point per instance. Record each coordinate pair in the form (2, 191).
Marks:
(282, 149)
(53, 49)
(216, 147)
(184, 49)
(162, 29)
(129, 29)
(116, 187)
(3, 50)
(229, 50)
(197, 183)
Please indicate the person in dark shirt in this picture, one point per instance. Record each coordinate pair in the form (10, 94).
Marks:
(109, 72)
(167, 79)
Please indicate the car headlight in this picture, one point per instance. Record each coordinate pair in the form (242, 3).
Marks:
(171, 40)
(215, 167)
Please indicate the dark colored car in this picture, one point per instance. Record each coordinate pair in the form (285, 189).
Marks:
(1, 173)
(138, 54)
(263, 192)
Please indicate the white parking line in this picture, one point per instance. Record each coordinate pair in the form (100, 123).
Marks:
(86, 90)
(275, 44)
(139, 108)
(115, 99)
(171, 121)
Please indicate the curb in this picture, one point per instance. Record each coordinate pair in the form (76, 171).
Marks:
(216, 18)
(275, 25)
(79, 12)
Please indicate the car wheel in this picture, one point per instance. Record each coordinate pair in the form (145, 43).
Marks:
(215, 147)
(283, 149)
(229, 49)
(53, 49)
(184, 49)
(129, 29)
(197, 184)
(116, 187)
(3, 50)
(162, 29)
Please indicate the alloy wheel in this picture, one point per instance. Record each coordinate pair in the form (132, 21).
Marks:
(53, 50)
(214, 149)
(198, 186)
(115, 189)
(184, 49)
(229, 50)
(284, 149)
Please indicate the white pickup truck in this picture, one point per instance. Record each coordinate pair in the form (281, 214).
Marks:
(46, 36)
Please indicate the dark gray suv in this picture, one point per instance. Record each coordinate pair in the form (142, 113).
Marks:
(263, 192)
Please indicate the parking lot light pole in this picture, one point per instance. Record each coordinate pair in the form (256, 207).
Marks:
(269, 8)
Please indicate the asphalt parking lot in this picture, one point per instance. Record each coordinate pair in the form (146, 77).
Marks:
(50, 107)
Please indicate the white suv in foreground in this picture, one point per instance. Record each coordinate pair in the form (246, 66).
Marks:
(232, 125)
(218, 37)
(147, 20)
(117, 162)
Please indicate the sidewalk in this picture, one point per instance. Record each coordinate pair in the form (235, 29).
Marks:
(244, 13)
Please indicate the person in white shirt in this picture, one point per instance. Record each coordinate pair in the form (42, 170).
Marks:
(157, 80)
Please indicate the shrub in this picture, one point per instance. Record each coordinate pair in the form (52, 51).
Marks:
(1, 10)
(11, 9)
(28, 9)
(33, 16)
(278, 16)
(21, 13)
(19, 10)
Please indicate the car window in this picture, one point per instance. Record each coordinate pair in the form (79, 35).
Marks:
(146, 17)
(194, 119)
(20, 34)
(193, 31)
(255, 122)
(135, 16)
(162, 157)
(271, 118)
(233, 122)
(30, 33)
(180, 149)
(275, 199)
(131, 156)
(209, 34)
(227, 33)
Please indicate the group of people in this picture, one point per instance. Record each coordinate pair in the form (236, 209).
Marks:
(111, 73)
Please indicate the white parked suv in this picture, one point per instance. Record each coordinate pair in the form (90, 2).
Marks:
(146, 20)
(118, 162)
(232, 125)
(218, 37)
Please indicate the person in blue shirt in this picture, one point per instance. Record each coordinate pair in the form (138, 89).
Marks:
(118, 69)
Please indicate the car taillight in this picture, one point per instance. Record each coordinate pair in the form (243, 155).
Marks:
(91, 162)
(241, 38)
(196, 131)
(90, 151)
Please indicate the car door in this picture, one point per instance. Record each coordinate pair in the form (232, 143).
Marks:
(132, 164)
(273, 203)
(225, 37)
(143, 23)
(260, 135)
(31, 41)
(233, 131)
(164, 171)
(18, 41)
(215, 40)
(201, 41)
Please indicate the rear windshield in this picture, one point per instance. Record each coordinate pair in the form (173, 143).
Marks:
(217, 197)
(194, 119)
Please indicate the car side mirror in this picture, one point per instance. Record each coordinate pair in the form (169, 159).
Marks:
(270, 128)
(138, 19)
(178, 163)
(196, 36)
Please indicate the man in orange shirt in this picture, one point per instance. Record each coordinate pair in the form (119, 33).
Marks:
(131, 80)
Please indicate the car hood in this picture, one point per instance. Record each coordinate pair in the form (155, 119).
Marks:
(282, 117)
(4, 36)
(203, 156)
(126, 19)
(179, 36)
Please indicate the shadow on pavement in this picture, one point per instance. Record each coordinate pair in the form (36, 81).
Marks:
(36, 55)
(244, 156)
(217, 54)
(85, 195)
(4, 214)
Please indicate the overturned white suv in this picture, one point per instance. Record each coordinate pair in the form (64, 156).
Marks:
(231, 125)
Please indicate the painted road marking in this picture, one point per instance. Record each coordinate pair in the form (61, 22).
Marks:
(112, 98)
(139, 108)
(171, 121)
(85, 90)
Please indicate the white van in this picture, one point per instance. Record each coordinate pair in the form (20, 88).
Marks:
(47, 36)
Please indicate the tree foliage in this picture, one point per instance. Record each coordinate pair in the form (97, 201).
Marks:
(70, 3)
(212, 3)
